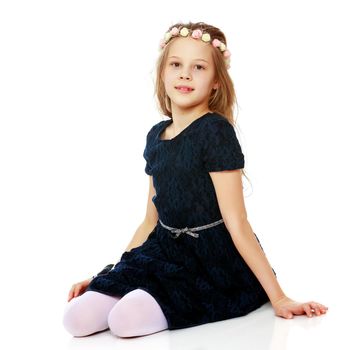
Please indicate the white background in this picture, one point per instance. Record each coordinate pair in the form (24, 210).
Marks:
(76, 102)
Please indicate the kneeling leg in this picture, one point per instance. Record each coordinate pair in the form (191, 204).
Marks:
(88, 313)
(136, 313)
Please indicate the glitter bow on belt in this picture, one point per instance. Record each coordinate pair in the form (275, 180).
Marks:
(189, 231)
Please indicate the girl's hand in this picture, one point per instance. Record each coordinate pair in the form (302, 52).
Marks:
(78, 289)
(286, 307)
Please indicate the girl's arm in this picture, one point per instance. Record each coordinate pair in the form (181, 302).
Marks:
(149, 222)
(141, 235)
(250, 249)
(228, 188)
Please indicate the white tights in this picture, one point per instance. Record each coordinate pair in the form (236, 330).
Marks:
(136, 313)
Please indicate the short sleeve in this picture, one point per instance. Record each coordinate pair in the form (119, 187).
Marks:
(146, 154)
(222, 150)
(148, 169)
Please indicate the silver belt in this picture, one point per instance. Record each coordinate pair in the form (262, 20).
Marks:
(190, 230)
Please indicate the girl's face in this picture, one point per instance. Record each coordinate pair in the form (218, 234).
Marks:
(189, 64)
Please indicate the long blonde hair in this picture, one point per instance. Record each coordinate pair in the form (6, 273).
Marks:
(222, 100)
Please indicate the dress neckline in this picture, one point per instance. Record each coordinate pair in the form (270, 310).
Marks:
(182, 132)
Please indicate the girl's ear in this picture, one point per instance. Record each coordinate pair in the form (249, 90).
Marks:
(216, 86)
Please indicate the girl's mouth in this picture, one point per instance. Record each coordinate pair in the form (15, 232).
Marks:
(184, 88)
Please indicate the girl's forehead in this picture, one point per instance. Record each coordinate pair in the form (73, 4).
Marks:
(189, 47)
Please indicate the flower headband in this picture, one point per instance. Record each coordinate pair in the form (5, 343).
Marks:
(197, 34)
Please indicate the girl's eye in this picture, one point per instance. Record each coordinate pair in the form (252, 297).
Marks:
(197, 65)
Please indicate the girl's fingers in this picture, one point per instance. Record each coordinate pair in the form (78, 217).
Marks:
(319, 308)
(316, 307)
(313, 307)
(307, 309)
(73, 292)
(76, 291)
(323, 308)
(310, 308)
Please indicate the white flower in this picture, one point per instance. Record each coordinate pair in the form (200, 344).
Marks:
(222, 47)
(184, 31)
(206, 37)
(167, 36)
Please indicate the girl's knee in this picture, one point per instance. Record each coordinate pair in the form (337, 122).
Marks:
(75, 320)
(137, 313)
(87, 314)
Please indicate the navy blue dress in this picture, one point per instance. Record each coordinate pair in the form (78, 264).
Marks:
(194, 280)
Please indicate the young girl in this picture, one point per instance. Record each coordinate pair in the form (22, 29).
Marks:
(195, 259)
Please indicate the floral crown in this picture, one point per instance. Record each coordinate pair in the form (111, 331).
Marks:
(196, 34)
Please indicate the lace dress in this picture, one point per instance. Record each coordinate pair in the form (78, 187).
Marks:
(199, 278)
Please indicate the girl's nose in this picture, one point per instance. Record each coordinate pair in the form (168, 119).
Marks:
(185, 75)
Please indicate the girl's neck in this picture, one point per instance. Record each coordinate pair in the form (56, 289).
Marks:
(181, 119)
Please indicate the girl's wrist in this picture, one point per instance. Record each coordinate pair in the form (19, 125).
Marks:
(277, 300)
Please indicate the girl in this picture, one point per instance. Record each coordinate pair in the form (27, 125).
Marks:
(195, 258)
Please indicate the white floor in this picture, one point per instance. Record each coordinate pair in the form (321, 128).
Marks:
(259, 330)
(35, 322)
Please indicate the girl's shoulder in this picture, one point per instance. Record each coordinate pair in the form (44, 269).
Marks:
(155, 128)
(158, 124)
(215, 124)
(216, 118)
